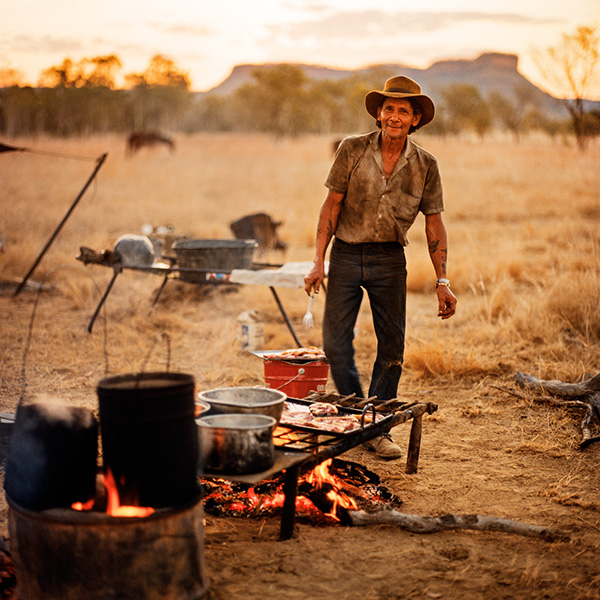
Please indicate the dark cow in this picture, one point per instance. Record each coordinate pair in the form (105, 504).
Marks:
(141, 139)
(259, 227)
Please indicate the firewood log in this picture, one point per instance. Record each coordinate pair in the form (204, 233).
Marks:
(421, 524)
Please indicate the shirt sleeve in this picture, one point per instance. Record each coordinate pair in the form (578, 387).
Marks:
(432, 200)
(338, 177)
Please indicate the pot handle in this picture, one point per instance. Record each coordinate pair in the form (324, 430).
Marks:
(301, 371)
(165, 336)
(364, 414)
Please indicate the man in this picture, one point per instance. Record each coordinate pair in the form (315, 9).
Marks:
(378, 183)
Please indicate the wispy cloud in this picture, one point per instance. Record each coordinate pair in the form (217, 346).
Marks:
(361, 24)
(183, 29)
(305, 6)
(45, 43)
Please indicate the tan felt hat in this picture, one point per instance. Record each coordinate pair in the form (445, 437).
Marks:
(401, 87)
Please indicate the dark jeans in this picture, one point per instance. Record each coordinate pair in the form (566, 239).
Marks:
(380, 269)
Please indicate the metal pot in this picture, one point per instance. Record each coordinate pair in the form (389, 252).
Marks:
(236, 443)
(245, 400)
(149, 439)
(201, 409)
(52, 457)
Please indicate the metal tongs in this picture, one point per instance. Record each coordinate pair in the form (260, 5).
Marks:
(308, 322)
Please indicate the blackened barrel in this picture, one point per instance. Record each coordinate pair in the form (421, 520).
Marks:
(149, 437)
(63, 554)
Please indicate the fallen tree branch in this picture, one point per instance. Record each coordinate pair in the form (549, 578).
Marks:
(420, 524)
(586, 435)
(559, 388)
(544, 398)
(585, 394)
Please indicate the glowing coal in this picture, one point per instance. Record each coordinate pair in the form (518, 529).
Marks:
(325, 494)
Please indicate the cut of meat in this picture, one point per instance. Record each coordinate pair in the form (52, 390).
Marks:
(319, 415)
(311, 352)
(339, 424)
(323, 409)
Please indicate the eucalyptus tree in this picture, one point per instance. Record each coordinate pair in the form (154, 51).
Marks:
(571, 68)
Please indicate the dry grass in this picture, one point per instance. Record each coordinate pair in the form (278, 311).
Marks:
(524, 263)
(522, 222)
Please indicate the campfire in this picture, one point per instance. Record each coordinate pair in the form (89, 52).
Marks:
(71, 519)
(325, 494)
(110, 502)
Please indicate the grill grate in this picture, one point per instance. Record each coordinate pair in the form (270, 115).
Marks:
(312, 440)
(294, 439)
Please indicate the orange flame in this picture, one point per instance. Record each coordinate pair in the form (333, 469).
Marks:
(321, 475)
(83, 505)
(114, 507)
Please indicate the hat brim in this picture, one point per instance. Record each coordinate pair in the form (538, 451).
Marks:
(374, 99)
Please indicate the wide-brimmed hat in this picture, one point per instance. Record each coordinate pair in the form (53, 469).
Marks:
(401, 87)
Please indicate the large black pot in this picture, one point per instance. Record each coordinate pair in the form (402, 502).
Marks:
(52, 457)
(149, 438)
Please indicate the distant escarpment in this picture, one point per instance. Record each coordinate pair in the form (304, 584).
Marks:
(491, 71)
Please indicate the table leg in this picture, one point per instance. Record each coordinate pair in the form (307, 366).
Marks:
(159, 291)
(414, 445)
(288, 512)
(102, 300)
(285, 317)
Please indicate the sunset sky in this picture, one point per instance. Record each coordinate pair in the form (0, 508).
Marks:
(208, 38)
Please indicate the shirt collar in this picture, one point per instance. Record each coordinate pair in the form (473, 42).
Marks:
(408, 147)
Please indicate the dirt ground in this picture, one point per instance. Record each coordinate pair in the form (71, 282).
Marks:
(484, 451)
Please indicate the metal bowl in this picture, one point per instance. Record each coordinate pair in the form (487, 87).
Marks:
(201, 408)
(244, 400)
(236, 443)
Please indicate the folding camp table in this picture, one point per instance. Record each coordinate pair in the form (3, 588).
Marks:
(289, 275)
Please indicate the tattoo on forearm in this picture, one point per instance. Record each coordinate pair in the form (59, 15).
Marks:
(329, 230)
(433, 248)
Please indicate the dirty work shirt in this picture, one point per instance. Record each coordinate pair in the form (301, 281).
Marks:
(375, 209)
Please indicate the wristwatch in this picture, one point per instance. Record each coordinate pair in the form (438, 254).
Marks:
(442, 281)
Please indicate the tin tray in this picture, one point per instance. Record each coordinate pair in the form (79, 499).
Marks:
(274, 355)
(342, 411)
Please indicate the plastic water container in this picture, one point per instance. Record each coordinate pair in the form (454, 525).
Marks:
(251, 330)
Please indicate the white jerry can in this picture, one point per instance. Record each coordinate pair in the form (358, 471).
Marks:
(251, 330)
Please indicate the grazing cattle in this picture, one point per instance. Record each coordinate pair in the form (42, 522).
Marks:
(141, 139)
(259, 227)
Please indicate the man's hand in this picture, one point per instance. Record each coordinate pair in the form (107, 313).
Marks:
(446, 302)
(314, 278)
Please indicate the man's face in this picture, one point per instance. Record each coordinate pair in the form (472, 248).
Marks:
(397, 116)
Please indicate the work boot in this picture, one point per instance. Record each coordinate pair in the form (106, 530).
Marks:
(384, 447)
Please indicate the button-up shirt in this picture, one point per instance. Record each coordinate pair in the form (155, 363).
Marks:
(377, 209)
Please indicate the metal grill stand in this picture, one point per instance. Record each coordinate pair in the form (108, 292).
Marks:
(292, 462)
